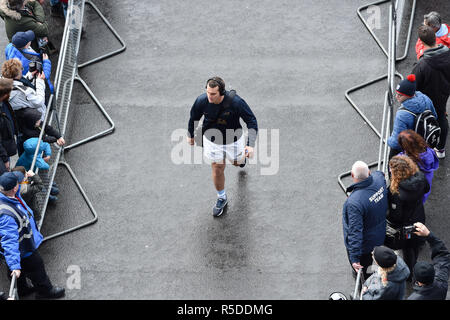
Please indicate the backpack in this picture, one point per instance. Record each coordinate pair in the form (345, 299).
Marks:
(427, 126)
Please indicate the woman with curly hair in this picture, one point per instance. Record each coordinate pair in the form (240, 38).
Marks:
(415, 147)
(405, 194)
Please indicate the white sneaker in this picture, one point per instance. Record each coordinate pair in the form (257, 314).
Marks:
(440, 153)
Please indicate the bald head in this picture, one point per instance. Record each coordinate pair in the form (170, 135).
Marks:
(360, 171)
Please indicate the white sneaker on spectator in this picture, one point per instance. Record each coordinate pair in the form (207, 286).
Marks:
(440, 153)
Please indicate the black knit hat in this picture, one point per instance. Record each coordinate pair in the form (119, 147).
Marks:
(384, 256)
(407, 87)
(424, 272)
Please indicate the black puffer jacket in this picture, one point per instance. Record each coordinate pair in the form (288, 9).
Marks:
(8, 128)
(27, 118)
(406, 207)
(433, 76)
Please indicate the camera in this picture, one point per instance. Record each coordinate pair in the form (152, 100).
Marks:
(407, 230)
(42, 44)
(35, 66)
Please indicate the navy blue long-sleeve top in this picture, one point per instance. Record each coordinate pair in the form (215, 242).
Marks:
(227, 119)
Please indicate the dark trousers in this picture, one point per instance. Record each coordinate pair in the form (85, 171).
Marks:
(443, 123)
(365, 261)
(411, 252)
(33, 268)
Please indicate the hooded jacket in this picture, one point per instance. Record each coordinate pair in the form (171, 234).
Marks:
(16, 21)
(406, 206)
(441, 263)
(12, 52)
(428, 165)
(433, 76)
(404, 120)
(29, 147)
(364, 216)
(442, 37)
(27, 118)
(16, 242)
(395, 288)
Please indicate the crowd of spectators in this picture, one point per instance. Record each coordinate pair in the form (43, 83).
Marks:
(372, 207)
(25, 88)
(381, 217)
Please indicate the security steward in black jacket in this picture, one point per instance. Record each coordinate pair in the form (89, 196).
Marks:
(431, 279)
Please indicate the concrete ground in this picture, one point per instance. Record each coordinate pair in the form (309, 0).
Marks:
(281, 237)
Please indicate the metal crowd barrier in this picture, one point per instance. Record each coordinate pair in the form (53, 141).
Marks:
(66, 74)
(390, 76)
(357, 293)
(58, 111)
(388, 109)
(377, 40)
(13, 289)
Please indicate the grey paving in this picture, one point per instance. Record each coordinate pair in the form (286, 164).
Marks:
(281, 237)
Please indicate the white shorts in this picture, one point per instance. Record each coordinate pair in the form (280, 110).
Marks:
(218, 152)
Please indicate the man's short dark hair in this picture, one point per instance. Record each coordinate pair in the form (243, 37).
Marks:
(20, 168)
(216, 82)
(6, 86)
(427, 35)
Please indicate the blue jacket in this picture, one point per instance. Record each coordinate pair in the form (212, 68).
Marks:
(364, 216)
(29, 147)
(16, 245)
(404, 120)
(12, 52)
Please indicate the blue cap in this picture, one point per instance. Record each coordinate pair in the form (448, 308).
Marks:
(9, 180)
(20, 39)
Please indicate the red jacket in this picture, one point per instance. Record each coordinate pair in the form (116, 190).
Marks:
(445, 40)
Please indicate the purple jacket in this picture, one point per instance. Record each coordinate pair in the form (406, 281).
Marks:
(430, 163)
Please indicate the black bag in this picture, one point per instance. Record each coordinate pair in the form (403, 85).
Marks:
(397, 237)
(207, 123)
(427, 126)
(394, 237)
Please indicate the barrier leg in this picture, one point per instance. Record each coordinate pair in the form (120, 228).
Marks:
(86, 199)
(114, 32)
(102, 109)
